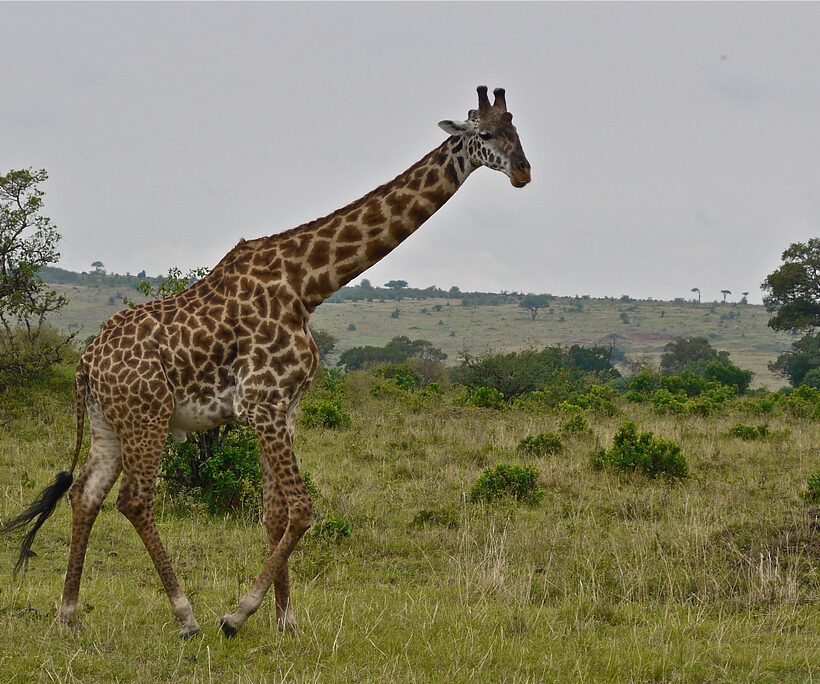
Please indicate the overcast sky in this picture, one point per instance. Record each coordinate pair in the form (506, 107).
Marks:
(672, 145)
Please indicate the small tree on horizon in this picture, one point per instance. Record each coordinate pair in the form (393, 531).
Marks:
(535, 302)
(696, 289)
(724, 293)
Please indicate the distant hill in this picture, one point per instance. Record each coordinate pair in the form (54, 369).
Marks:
(459, 321)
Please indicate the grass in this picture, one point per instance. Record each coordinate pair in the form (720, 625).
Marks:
(612, 577)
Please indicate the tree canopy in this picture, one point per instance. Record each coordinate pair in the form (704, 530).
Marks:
(28, 242)
(793, 290)
(534, 302)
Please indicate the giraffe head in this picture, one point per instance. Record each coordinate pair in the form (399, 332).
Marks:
(491, 139)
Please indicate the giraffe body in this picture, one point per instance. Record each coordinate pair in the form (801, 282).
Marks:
(236, 346)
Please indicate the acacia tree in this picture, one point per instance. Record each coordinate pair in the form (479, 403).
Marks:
(533, 303)
(724, 293)
(696, 289)
(793, 296)
(28, 241)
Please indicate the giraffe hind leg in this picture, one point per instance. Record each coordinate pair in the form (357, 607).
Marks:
(98, 475)
(141, 458)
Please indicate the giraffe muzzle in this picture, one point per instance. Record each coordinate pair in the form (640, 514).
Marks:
(521, 173)
(520, 178)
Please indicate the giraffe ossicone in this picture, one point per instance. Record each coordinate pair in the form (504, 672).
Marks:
(236, 346)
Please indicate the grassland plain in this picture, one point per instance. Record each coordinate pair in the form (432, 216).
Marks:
(640, 328)
(610, 578)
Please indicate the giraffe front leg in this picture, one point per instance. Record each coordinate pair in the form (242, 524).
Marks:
(275, 518)
(277, 449)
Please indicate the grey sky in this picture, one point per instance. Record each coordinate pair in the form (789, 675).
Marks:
(672, 145)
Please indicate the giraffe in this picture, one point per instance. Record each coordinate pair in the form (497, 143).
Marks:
(236, 346)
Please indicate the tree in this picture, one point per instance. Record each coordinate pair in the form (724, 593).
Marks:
(690, 354)
(398, 350)
(365, 284)
(396, 284)
(793, 290)
(793, 296)
(802, 359)
(325, 341)
(724, 293)
(534, 302)
(98, 267)
(28, 242)
(744, 300)
(171, 285)
(696, 289)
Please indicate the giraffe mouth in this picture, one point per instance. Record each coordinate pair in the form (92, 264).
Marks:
(521, 178)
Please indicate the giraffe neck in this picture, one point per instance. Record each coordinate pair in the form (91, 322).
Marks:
(324, 255)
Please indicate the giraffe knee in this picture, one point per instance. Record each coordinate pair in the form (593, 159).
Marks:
(131, 505)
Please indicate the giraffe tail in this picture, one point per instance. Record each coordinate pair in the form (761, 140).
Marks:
(40, 510)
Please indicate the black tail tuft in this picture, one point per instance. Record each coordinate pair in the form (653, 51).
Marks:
(41, 509)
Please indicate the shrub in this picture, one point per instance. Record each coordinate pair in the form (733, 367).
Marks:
(219, 468)
(508, 481)
(599, 399)
(749, 432)
(324, 414)
(664, 402)
(486, 397)
(729, 374)
(812, 493)
(516, 374)
(541, 445)
(642, 451)
(802, 403)
(332, 528)
(574, 426)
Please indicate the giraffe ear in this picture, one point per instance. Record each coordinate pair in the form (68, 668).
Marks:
(453, 127)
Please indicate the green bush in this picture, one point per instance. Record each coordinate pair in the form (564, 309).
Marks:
(332, 528)
(545, 444)
(223, 472)
(599, 399)
(486, 397)
(575, 426)
(508, 481)
(812, 493)
(802, 404)
(749, 432)
(644, 452)
(324, 414)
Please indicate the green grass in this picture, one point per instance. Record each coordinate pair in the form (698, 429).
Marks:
(611, 577)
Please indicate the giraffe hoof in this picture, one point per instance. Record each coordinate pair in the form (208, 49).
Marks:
(228, 629)
(188, 634)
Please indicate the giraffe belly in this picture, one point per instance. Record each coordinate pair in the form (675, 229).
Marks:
(191, 415)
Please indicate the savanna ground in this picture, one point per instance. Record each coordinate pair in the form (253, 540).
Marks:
(611, 577)
(640, 328)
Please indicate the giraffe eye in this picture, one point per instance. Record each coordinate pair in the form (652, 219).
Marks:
(484, 135)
